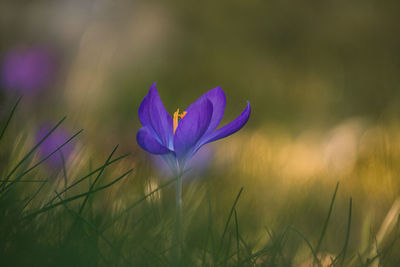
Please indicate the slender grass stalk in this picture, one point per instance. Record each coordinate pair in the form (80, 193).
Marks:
(38, 163)
(10, 117)
(325, 227)
(93, 227)
(237, 237)
(178, 223)
(228, 221)
(316, 259)
(91, 188)
(31, 152)
(64, 169)
(136, 203)
(95, 181)
(78, 181)
(33, 196)
(346, 242)
(46, 208)
(25, 181)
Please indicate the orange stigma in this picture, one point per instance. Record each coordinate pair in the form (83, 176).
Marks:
(176, 118)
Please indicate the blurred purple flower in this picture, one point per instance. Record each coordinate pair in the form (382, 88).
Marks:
(57, 138)
(177, 141)
(27, 70)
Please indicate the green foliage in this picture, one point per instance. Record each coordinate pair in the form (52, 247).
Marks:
(112, 215)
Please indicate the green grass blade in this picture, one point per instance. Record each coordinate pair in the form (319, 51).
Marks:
(325, 227)
(316, 259)
(41, 161)
(10, 117)
(342, 253)
(275, 249)
(24, 181)
(237, 237)
(228, 221)
(31, 151)
(136, 203)
(93, 227)
(91, 187)
(249, 257)
(33, 196)
(96, 179)
(87, 176)
(64, 169)
(77, 196)
(346, 242)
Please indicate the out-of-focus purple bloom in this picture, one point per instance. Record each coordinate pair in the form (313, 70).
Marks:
(57, 138)
(27, 70)
(177, 141)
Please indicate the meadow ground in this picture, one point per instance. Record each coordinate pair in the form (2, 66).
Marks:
(264, 198)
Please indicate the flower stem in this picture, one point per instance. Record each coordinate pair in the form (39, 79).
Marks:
(178, 222)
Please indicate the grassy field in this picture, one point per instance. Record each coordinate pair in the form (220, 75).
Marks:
(266, 198)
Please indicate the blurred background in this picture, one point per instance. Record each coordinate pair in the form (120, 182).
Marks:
(322, 78)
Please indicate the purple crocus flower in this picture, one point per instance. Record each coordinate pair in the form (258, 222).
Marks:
(57, 138)
(27, 70)
(178, 140)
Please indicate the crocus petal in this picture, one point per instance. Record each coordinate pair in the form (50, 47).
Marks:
(230, 128)
(146, 141)
(193, 126)
(160, 119)
(144, 114)
(218, 99)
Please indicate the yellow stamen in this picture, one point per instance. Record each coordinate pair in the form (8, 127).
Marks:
(176, 118)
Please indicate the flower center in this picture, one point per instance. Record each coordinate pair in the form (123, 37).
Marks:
(176, 118)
